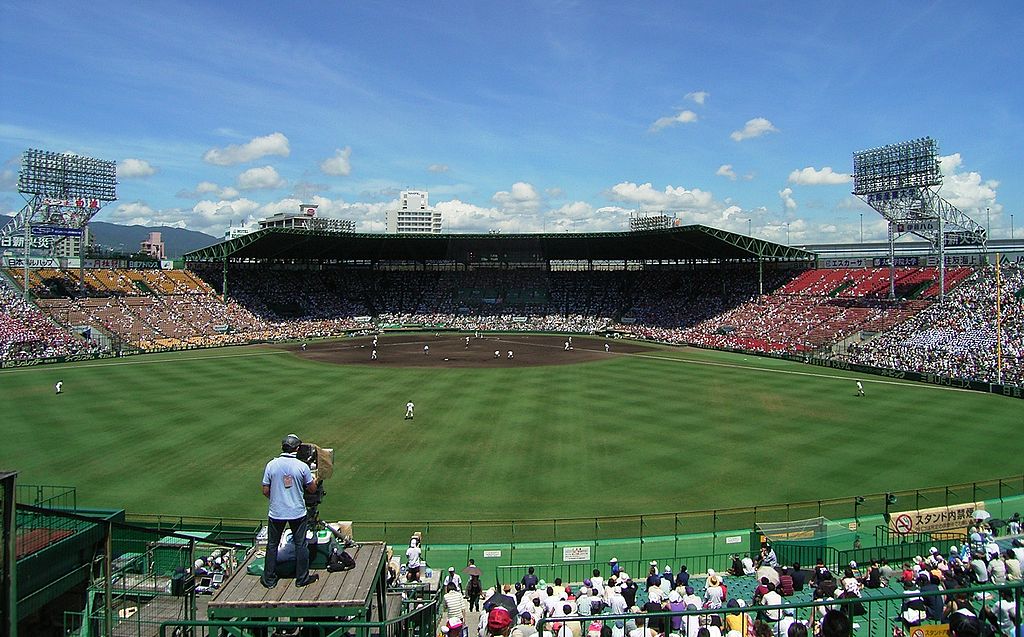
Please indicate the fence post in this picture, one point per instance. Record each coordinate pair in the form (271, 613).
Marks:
(108, 584)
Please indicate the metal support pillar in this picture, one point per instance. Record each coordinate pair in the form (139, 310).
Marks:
(892, 263)
(28, 235)
(224, 281)
(8, 563)
(760, 274)
(942, 262)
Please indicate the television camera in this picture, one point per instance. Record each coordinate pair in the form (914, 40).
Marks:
(321, 465)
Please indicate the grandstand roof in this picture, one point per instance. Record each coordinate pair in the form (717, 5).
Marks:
(685, 243)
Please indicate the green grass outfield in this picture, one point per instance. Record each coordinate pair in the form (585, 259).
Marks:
(667, 430)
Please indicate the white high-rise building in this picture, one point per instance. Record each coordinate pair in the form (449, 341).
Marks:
(413, 215)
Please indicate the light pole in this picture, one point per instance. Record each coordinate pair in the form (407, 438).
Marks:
(748, 227)
(862, 227)
(787, 234)
(988, 223)
(1011, 225)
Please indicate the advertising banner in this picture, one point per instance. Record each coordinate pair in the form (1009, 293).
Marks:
(957, 516)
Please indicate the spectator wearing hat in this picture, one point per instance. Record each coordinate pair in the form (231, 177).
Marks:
(452, 578)
(503, 599)
(676, 604)
(714, 594)
(667, 580)
(413, 563)
(656, 604)
(499, 621)
(285, 478)
(583, 607)
(454, 627)
(613, 564)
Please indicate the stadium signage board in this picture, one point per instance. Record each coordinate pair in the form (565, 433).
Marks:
(56, 231)
(958, 516)
(18, 241)
(33, 262)
(844, 263)
(931, 225)
(493, 553)
(575, 553)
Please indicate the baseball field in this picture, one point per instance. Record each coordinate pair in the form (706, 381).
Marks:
(550, 433)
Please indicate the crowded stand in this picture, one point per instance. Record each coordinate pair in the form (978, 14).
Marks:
(958, 338)
(757, 594)
(27, 333)
(820, 311)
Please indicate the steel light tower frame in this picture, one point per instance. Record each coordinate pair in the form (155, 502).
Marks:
(62, 192)
(897, 181)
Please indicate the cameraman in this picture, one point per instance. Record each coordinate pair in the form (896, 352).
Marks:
(281, 484)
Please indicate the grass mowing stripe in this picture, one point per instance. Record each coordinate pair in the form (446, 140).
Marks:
(631, 434)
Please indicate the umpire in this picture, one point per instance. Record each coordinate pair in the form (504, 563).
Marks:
(284, 480)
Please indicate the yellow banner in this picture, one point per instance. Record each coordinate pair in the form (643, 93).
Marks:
(957, 516)
(930, 630)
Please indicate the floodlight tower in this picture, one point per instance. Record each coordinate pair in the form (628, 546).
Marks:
(897, 181)
(62, 192)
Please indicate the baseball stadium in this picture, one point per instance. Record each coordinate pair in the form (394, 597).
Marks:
(566, 407)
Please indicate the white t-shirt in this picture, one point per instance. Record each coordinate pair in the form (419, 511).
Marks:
(412, 554)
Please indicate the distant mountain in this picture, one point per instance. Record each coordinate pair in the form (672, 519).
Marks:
(177, 241)
(127, 238)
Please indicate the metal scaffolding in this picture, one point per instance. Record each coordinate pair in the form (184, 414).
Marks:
(897, 181)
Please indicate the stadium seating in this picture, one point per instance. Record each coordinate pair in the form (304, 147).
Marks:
(803, 311)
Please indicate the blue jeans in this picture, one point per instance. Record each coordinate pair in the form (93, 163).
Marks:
(275, 529)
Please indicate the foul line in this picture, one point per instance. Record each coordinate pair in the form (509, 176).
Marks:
(867, 379)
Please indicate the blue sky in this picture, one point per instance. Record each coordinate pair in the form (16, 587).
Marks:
(518, 116)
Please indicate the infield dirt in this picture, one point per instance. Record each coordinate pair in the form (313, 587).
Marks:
(450, 350)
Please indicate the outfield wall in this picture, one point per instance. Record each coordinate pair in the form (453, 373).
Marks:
(640, 539)
(701, 539)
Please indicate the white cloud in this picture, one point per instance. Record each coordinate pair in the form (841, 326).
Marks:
(698, 96)
(134, 168)
(272, 144)
(438, 168)
(812, 177)
(682, 117)
(725, 170)
(339, 165)
(786, 194)
(206, 188)
(672, 198)
(522, 198)
(260, 178)
(968, 191)
(754, 128)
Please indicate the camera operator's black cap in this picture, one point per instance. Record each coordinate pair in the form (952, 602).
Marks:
(290, 443)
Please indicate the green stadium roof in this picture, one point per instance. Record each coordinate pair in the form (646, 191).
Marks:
(684, 243)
